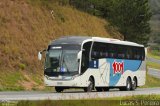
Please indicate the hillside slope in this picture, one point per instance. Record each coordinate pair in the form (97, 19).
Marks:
(26, 28)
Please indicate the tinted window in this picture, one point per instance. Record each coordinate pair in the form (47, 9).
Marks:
(139, 53)
(106, 50)
(99, 50)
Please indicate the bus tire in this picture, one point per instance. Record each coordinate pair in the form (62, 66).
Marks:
(128, 84)
(99, 89)
(90, 86)
(134, 84)
(59, 89)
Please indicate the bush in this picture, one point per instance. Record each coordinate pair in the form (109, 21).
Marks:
(22, 66)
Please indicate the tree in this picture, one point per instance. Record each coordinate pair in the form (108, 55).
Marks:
(131, 17)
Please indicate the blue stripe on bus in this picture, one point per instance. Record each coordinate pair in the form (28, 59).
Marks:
(132, 65)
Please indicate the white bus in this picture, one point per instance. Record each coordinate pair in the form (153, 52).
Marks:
(94, 63)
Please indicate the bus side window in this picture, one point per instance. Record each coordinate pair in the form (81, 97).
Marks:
(99, 50)
(103, 50)
(141, 53)
(129, 52)
(106, 54)
(120, 52)
(112, 49)
(136, 53)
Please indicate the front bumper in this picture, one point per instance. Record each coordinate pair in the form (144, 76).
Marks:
(76, 82)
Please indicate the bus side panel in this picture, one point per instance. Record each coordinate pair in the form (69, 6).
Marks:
(120, 70)
(114, 72)
(102, 73)
(99, 69)
(141, 74)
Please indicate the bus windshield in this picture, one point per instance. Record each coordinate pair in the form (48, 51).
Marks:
(61, 62)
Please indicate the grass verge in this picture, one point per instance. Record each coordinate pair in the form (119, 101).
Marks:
(151, 82)
(153, 65)
(153, 55)
(134, 100)
(9, 81)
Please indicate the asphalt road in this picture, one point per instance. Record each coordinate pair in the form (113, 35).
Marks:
(154, 72)
(67, 95)
(153, 60)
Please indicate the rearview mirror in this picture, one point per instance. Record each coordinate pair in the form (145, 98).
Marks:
(39, 55)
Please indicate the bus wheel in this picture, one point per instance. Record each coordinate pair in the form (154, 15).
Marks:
(134, 85)
(59, 89)
(99, 89)
(128, 84)
(90, 86)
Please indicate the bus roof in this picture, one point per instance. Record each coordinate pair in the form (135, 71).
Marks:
(70, 40)
(80, 39)
(115, 41)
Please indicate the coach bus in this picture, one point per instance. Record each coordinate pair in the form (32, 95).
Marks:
(94, 63)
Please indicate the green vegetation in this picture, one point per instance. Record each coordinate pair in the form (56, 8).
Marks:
(10, 81)
(134, 97)
(22, 66)
(130, 17)
(154, 51)
(134, 27)
(155, 23)
(19, 80)
(153, 65)
(154, 55)
(91, 102)
(151, 82)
